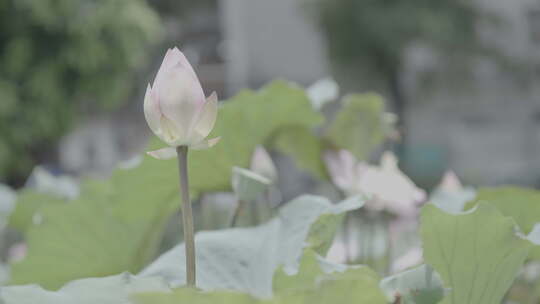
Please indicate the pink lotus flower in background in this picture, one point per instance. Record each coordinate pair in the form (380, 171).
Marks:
(345, 171)
(176, 109)
(386, 186)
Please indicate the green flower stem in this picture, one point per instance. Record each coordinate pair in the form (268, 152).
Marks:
(187, 216)
(389, 245)
(347, 237)
(236, 214)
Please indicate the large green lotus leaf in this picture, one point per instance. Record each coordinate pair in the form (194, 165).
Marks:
(522, 204)
(312, 267)
(28, 202)
(478, 254)
(316, 281)
(306, 148)
(420, 285)
(117, 224)
(245, 259)
(359, 126)
(82, 239)
(109, 290)
(100, 228)
(355, 285)
(192, 296)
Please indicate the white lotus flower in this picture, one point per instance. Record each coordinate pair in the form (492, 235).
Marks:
(388, 188)
(176, 109)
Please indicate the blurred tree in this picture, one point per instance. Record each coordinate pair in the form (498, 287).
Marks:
(180, 7)
(58, 59)
(371, 35)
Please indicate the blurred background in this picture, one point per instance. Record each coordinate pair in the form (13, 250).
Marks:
(462, 75)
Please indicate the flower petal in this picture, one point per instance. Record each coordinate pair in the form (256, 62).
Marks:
(261, 163)
(176, 61)
(180, 97)
(151, 111)
(168, 62)
(205, 144)
(389, 161)
(207, 117)
(171, 133)
(182, 60)
(345, 171)
(163, 154)
(450, 182)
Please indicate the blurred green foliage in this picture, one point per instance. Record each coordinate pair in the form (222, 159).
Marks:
(59, 58)
(359, 126)
(369, 37)
(375, 32)
(176, 8)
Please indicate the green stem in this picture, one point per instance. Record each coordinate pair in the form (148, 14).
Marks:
(369, 241)
(347, 237)
(389, 245)
(236, 213)
(187, 216)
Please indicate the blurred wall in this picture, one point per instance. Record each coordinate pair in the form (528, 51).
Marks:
(264, 40)
(485, 125)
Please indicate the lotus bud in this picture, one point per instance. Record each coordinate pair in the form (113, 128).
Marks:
(450, 195)
(450, 182)
(176, 109)
(262, 163)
